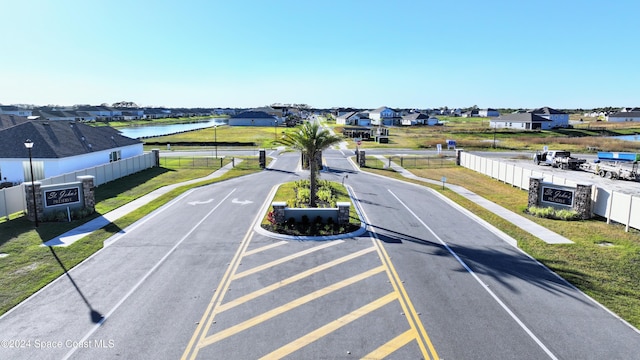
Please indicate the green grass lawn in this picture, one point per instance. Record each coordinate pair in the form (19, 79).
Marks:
(261, 136)
(30, 266)
(604, 261)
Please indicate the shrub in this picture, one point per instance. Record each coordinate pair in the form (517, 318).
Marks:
(553, 213)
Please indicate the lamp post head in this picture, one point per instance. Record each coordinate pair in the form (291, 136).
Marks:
(28, 144)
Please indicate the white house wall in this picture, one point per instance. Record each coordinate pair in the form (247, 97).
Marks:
(12, 168)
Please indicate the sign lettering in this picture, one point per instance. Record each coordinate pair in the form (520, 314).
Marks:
(61, 196)
(557, 196)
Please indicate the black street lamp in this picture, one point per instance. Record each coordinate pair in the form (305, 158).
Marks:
(275, 130)
(29, 144)
(215, 138)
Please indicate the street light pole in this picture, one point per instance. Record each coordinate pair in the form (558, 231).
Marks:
(275, 130)
(29, 144)
(215, 138)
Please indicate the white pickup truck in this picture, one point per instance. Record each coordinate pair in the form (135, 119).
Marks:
(558, 158)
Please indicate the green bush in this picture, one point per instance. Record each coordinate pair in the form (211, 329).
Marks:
(553, 213)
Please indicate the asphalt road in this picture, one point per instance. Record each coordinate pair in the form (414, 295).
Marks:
(427, 280)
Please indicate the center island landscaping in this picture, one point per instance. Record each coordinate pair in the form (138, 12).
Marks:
(295, 197)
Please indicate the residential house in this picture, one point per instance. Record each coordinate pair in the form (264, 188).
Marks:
(354, 118)
(623, 116)
(488, 113)
(101, 112)
(521, 121)
(419, 119)
(558, 119)
(54, 115)
(254, 118)
(14, 110)
(156, 113)
(471, 113)
(132, 114)
(60, 147)
(337, 112)
(384, 116)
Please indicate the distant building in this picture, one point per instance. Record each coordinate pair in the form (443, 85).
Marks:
(384, 116)
(624, 116)
(521, 121)
(254, 118)
(14, 110)
(60, 147)
(488, 113)
(558, 119)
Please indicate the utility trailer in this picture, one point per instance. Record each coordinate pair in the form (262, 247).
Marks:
(614, 165)
(558, 159)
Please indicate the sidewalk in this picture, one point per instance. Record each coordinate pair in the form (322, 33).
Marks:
(520, 221)
(87, 228)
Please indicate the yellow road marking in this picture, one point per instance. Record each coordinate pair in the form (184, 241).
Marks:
(292, 279)
(264, 248)
(205, 322)
(285, 259)
(289, 306)
(330, 327)
(407, 306)
(391, 346)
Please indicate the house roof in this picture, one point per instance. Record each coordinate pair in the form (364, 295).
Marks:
(521, 117)
(59, 139)
(380, 109)
(11, 120)
(9, 108)
(415, 116)
(253, 114)
(546, 111)
(626, 114)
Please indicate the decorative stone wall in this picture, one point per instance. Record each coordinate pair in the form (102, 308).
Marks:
(343, 212)
(582, 202)
(361, 158)
(262, 159)
(88, 192)
(39, 205)
(278, 211)
(534, 191)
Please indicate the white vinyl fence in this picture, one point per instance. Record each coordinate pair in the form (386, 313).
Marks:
(13, 199)
(614, 206)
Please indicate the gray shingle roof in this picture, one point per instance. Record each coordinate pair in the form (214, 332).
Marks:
(253, 115)
(59, 139)
(415, 116)
(11, 120)
(628, 114)
(546, 111)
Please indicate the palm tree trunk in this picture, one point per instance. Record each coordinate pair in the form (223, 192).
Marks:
(312, 181)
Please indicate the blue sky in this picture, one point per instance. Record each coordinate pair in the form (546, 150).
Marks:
(404, 54)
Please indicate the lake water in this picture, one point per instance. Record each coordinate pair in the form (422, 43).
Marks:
(144, 131)
(628, 137)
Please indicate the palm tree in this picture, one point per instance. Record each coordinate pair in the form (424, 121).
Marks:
(311, 139)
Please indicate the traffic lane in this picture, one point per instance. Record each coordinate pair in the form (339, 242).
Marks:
(69, 307)
(456, 310)
(562, 318)
(73, 303)
(159, 316)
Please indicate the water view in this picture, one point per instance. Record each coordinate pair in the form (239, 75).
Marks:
(144, 131)
(635, 137)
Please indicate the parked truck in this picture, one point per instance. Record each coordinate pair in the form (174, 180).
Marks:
(558, 159)
(614, 165)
